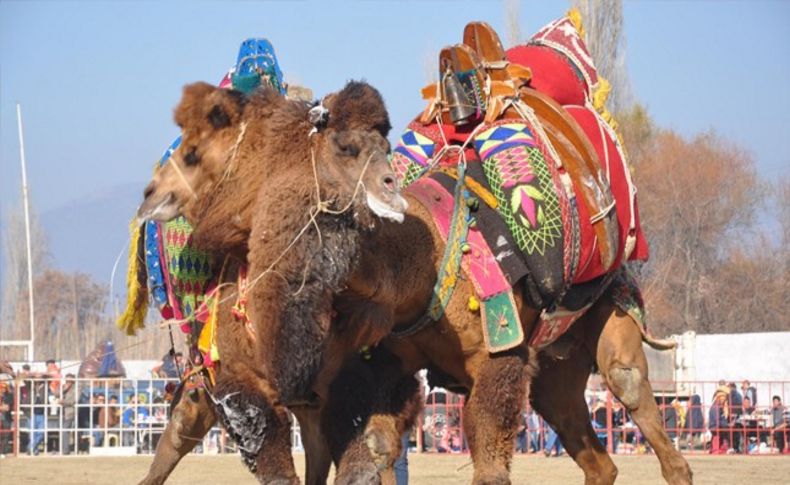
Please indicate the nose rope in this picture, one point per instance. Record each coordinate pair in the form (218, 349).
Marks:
(172, 161)
(323, 206)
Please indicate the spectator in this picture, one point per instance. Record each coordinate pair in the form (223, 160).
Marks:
(780, 425)
(84, 411)
(749, 391)
(97, 410)
(533, 427)
(39, 390)
(748, 405)
(6, 416)
(53, 374)
(521, 432)
(670, 419)
(736, 401)
(681, 412)
(695, 421)
(719, 422)
(67, 402)
(128, 420)
(553, 445)
(109, 416)
(401, 465)
(169, 367)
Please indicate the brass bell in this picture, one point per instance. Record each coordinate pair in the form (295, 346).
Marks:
(461, 107)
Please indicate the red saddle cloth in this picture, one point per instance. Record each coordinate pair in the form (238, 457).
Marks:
(624, 193)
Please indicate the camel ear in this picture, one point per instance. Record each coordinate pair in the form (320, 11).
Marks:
(358, 106)
(203, 102)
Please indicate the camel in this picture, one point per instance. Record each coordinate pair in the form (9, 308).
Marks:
(386, 203)
(383, 290)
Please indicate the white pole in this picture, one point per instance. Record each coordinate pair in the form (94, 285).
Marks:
(30, 352)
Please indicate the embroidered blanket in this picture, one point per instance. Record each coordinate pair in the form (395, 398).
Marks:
(180, 278)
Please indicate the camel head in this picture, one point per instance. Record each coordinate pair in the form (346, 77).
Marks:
(350, 153)
(211, 127)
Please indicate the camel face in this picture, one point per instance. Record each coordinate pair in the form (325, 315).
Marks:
(354, 163)
(353, 155)
(209, 118)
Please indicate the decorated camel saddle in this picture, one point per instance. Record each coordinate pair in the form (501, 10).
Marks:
(164, 263)
(524, 174)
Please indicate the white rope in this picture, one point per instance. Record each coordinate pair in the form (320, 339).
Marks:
(172, 161)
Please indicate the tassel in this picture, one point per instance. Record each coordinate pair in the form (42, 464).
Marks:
(575, 16)
(133, 318)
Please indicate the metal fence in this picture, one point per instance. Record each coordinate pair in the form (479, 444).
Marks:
(91, 416)
(691, 419)
(128, 417)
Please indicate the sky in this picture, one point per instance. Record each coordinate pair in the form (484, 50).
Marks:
(97, 81)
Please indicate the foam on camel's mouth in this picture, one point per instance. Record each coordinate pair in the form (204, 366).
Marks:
(166, 209)
(393, 211)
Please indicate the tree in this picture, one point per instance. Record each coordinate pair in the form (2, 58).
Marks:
(14, 281)
(605, 39)
(513, 29)
(711, 267)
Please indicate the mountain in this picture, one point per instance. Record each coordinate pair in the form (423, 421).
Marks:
(88, 234)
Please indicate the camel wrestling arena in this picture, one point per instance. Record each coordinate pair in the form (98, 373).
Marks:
(393, 243)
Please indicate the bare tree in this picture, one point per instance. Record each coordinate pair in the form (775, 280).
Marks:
(605, 38)
(712, 268)
(512, 8)
(14, 282)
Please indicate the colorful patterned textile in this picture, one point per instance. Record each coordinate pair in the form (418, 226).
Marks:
(524, 181)
(257, 64)
(179, 277)
(452, 218)
(470, 250)
(410, 157)
(502, 328)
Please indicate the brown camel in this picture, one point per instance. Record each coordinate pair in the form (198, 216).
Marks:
(385, 290)
(342, 134)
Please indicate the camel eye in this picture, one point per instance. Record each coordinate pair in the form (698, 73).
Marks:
(191, 159)
(348, 150)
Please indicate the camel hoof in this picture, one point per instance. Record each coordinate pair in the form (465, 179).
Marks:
(366, 475)
(380, 448)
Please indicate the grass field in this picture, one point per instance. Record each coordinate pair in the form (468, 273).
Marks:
(424, 469)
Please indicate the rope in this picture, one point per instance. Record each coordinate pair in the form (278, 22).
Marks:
(172, 162)
(320, 207)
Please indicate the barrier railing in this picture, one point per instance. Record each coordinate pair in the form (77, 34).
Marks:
(128, 416)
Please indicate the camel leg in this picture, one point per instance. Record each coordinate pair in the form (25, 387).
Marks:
(491, 415)
(623, 365)
(557, 394)
(192, 417)
(371, 403)
(261, 431)
(318, 460)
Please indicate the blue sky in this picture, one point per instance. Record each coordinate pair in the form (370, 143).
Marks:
(98, 80)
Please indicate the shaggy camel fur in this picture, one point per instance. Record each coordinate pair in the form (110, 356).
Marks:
(358, 142)
(396, 293)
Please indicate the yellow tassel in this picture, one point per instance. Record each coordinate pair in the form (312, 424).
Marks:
(601, 94)
(474, 304)
(133, 318)
(206, 342)
(575, 16)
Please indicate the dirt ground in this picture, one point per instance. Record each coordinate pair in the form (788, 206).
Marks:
(424, 469)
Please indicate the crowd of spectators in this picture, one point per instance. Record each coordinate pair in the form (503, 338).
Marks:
(733, 421)
(57, 413)
(64, 415)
